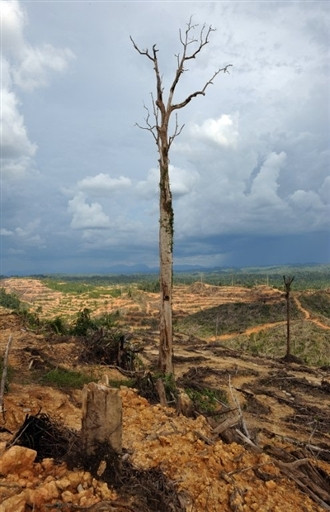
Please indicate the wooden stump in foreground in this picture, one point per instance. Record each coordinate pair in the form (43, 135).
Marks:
(101, 418)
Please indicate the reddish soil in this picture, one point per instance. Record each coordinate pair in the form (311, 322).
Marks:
(285, 407)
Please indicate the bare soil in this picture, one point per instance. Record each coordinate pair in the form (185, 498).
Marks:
(285, 407)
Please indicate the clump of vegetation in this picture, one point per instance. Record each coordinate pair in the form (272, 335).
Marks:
(84, 324)
(170, 387)
(147, 387)
(30, 319)
(100, 292)
(149, 286)
(129, 383)
(9, 300)
(206, 400)
(57, 325)
(103, 342)
(64, 286)
(64, 379)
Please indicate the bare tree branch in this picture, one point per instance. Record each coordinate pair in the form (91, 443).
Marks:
(153, 129)
(203, 41)
(153, 58)
(201, 92)
(141, 52)
(177, 131)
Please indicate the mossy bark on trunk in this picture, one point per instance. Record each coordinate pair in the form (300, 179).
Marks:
(166, 233)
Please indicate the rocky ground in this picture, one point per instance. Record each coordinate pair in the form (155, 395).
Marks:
(273, 455)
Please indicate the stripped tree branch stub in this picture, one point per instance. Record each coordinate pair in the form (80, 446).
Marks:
(4, 374)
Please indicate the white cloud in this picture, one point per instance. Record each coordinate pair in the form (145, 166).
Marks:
(33, 70)
(325, 190)
(15, 169)
(30, 65)
(103, 184)
(29, 235)
(27, 67)
(87, 216)
(306, 200)
(14, 139)
(225, 204)
(6, 232)
(182, 182)
(265, 184)
(222, 131)
(148, 189)
(12, 24)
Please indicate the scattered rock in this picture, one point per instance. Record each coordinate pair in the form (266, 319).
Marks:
(16, 459)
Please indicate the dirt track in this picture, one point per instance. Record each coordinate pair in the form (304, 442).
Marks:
(308, 315)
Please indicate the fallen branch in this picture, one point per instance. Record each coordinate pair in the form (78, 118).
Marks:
(4, 375)
(239, 410)
(224, 425)
(289, 469)
(203, 438)
(248, 441)
(308, 477)
(248, 468)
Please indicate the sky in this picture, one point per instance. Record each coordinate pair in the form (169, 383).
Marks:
(250, 172)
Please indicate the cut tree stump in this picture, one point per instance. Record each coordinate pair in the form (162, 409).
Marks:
(101, 418)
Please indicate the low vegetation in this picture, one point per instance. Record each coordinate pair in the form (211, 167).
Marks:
(318, 302)
(88, 308)
(235, 317)
(310, 343)
(9, 300)
(206, 400)
(65, 379)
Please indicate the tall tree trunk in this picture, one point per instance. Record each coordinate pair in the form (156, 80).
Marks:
(288, 340)
(165, 361)
(162, 111)
(287, 285)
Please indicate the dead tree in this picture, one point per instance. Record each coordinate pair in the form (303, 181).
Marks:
(287, 285)
(157, 122)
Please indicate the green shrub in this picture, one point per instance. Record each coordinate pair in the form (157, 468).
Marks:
(129, 383)
(9, 300)
(108, 320)
(62, 378)
(29, 318)
(149, 286)
(206, 400)
(57, 325)
(83, 324)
